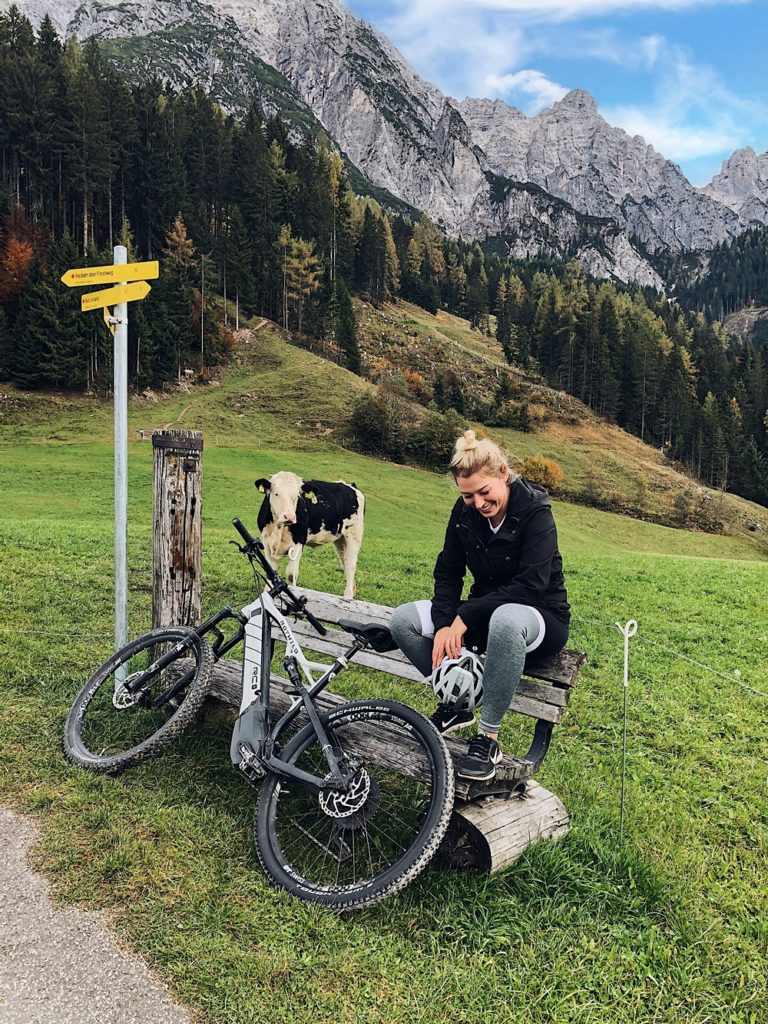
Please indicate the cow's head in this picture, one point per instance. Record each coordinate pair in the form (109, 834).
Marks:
(284, 491)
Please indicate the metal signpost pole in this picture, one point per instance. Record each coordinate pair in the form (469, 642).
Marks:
(121, 462)
(118, 274)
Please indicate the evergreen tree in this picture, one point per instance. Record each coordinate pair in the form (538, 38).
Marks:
(346, 331)
(303, 275)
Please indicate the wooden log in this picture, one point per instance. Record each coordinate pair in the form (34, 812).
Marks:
(226, 686)
(491, 834)
(177, 527)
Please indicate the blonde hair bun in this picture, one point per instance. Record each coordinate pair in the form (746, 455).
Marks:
(476, 455)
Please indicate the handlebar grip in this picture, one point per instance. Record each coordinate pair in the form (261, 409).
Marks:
(314, 622)
(242, 529)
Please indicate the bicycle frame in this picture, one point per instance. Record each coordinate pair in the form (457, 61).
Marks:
(253, 742)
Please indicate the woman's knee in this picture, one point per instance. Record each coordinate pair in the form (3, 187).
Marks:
(404, 619)
(506, 620)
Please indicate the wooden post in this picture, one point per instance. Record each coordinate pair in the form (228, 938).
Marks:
(177, 527)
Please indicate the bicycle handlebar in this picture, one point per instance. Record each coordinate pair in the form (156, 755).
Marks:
(254, 546)
(242, 529)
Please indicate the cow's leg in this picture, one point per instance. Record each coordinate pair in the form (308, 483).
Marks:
(269, 552)
(348, 549)
(294, 557)
(338, 545)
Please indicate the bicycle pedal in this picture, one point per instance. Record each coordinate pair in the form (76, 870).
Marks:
(253, 772)
(251, 766)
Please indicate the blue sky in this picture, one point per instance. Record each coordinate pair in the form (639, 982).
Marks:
(690, 76)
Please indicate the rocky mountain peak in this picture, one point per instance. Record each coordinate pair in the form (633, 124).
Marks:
(577, 103)
(564, 182)
(742, 185)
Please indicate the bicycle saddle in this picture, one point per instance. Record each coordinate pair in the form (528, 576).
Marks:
(375, 636)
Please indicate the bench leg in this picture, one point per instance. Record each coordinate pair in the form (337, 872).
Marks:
(542, 737)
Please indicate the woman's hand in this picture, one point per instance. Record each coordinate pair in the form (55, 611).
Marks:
(447, 643)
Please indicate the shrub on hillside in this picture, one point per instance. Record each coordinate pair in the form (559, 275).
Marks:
(386, 424)
(380, 424)
(417, 387)
(431, 441)
(683, 502)
(540, 470)
(515, 415)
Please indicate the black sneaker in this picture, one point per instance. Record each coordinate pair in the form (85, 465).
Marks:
(482, 757)
(450, 719)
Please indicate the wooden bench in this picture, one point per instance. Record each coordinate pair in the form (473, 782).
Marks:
(493, 821)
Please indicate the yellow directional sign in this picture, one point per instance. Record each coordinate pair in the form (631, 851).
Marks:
(80, 276)
(111, 296)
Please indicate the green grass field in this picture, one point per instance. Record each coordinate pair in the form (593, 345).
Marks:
(668, 925)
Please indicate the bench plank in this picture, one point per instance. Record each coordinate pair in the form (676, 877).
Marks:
(562, 669)
(532, 699)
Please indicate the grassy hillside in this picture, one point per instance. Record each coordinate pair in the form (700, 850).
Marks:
(666, 926)
(603, 465)
(278, 394)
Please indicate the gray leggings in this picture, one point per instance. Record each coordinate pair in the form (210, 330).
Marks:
(514, 630)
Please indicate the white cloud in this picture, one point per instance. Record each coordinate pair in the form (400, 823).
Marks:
(674, 140)
(568, 9)
(542, 90)
(650, 48)
(598, 44)
(691, 113)
(453, 47)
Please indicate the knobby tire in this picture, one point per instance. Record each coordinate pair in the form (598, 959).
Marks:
(167, 722)
(394, 833)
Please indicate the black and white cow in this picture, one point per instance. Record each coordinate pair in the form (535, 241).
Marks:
(296, 512)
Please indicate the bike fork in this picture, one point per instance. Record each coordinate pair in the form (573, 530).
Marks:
(328, 752)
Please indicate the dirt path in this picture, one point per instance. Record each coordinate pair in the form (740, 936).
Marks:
(63, 966)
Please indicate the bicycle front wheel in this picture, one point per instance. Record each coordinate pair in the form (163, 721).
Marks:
(111, 726)
(348, 850)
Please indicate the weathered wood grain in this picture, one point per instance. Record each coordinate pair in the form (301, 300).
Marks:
(177, 516)
(492, 834)
(562, 669)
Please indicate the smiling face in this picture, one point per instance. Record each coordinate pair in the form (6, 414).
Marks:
(488, 494)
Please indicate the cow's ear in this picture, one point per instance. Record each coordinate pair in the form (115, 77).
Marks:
(309, 495)
(262, 485)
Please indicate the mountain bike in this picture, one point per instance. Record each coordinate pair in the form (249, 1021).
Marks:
(354, 805)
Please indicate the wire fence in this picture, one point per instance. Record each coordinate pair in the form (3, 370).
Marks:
(734, 679)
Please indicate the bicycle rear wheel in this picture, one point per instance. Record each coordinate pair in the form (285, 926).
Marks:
(109, 728)
(348, 850)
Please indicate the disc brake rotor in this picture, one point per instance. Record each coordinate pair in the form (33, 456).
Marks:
(338, 804)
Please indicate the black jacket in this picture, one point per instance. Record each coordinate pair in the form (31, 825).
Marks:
(520, 564)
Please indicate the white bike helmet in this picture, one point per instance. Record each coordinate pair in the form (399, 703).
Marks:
(459, 681)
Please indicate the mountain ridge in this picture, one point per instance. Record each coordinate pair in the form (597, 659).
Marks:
(625, 202)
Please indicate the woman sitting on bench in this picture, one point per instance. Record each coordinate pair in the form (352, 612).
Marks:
(502, 530)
